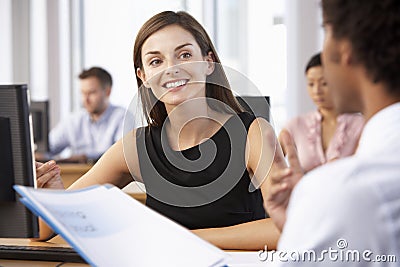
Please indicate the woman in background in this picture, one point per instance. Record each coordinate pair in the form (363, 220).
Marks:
(323, 135)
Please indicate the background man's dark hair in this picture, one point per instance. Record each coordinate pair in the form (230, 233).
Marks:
(101, 74)
(315, 61)
(373, 29)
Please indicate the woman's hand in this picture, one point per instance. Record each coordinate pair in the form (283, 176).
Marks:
(48, 175)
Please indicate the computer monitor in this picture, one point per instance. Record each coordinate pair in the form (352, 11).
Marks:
(16, 161)
(257, 105)
(40, 122)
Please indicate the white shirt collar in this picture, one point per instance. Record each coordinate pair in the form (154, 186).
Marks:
(380, 130)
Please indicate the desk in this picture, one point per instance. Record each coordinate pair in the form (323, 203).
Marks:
(21, 263)
(70, 172)
(250, 257)
(57, 241)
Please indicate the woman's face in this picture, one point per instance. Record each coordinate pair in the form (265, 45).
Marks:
(173, 66)
(318, 89)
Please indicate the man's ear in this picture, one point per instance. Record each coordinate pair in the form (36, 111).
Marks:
(209, 58)
(346, 53)
(142, 76)
(108, 91)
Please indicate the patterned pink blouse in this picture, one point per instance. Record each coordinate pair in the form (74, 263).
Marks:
(306, 133)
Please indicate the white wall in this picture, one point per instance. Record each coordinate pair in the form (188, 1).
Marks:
(6, 72)
(304, 38)
(38, 50)
(266, 48)
(110, 28)
(14, 45)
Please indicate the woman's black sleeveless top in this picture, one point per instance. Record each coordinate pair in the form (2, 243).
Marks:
(203, 186)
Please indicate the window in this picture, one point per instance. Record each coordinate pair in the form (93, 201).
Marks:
(251, 38)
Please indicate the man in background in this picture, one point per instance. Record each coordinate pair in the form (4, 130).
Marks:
(347, 213)
(89, 132)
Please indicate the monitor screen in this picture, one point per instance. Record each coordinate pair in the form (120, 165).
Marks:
(17, 161)
(257, 105)
(40, 123)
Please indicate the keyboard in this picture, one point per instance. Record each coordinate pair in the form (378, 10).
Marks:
(40, 253)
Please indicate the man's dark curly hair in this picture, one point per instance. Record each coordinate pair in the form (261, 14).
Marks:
(373, 29)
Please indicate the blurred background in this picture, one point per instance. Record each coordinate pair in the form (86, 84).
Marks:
(47, 43)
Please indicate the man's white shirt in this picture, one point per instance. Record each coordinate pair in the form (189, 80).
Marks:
(347, 213)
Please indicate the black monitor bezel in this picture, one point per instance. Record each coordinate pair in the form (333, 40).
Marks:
(16, 220)
(42, 107)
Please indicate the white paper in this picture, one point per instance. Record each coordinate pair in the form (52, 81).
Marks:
(109, 228)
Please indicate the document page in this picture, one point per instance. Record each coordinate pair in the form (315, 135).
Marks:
(109, 228)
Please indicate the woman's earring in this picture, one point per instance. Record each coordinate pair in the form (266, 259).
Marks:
(146, 84)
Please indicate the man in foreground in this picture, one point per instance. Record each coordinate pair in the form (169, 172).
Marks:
(347, 213)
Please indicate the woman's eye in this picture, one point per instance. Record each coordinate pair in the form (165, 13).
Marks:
(155, 62)
(185, 55)
(311, 84)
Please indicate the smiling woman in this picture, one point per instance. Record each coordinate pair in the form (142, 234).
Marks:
(192, 37)
(199, 151)
(181, 81)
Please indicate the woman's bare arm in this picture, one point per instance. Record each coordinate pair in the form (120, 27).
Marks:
(255, 235)
(111, 168)
(262, 146)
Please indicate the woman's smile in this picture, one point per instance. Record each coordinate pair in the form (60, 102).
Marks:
(175, 85)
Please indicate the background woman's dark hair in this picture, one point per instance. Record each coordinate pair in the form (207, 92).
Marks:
(374, 33)
(315, 61)
(153, 109)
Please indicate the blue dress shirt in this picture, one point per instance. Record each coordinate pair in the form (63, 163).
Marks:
(82, 135)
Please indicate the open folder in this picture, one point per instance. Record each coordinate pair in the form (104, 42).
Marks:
(109, 228)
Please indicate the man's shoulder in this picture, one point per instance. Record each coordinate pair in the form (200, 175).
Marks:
(117, 111)
(323, 180)
(345, 180)
(116, 108)
(347, 198)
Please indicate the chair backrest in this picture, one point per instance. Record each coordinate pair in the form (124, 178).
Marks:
(257, 105)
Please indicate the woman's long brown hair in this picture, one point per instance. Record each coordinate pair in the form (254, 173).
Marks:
(217, 85)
